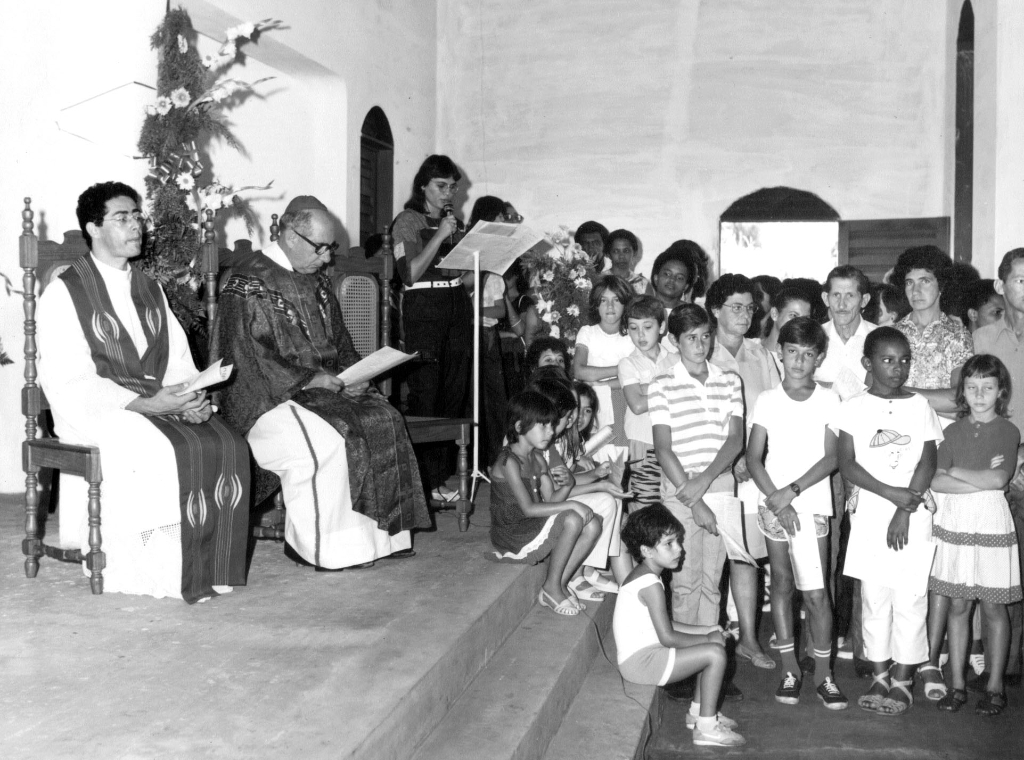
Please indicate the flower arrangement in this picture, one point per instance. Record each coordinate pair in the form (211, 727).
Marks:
(192, 96)
(560, 278)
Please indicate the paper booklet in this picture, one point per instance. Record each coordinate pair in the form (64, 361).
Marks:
(597, 440)
(377, 363)
(499, 245)
(210, 376)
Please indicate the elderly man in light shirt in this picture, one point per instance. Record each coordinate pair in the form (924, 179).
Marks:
(846, 293)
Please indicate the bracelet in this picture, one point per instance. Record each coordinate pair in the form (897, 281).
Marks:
(517, 322)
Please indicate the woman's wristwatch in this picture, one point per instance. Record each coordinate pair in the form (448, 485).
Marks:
(795, 487)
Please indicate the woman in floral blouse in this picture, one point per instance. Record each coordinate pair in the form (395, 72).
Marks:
(939, 344)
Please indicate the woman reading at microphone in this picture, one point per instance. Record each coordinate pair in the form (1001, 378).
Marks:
(437, 314)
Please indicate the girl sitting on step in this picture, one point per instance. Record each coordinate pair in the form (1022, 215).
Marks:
(654, 650)
(530, 517)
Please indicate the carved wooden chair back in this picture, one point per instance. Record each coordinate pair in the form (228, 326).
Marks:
(41, 262)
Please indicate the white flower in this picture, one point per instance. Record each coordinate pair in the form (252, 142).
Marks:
(548, 276)
(543, 304)
(582, 283)
(151, 109)
(163, 105)
(181, 98)
(210, 60)
(572, 310)
(556, 316)
(218, 93)
(182, 44)
(246, 29)
(185, 181)
(228, 50)
(213, 201)
(555, 332)
(546, 316)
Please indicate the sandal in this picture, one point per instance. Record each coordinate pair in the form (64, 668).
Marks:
(889, 706)
(564, 607)
(584, 589)
(935, 688)
(444, 498)
(757, 659)
(870, 702)
(992, 704)
(954, 700)
(601, 581)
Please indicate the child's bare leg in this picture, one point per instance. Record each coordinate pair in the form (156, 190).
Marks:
(709, 660)
(938, 613)
(572, 528)
(818, 604)
(997, 647)
(584, 544)
(782, 603)
(743, 582)
(957, 625)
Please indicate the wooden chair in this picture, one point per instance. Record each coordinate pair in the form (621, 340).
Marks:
(41, 262)
(362, 290)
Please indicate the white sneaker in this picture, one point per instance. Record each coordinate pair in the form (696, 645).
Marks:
(977, 663)
(719, 736)
(691, 722)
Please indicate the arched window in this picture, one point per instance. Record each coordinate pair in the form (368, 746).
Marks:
(779, 231)
(376, 174)
(963, 178)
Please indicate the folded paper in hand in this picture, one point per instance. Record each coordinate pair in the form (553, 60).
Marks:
(597, 440)
(377, 363)
(210, 376)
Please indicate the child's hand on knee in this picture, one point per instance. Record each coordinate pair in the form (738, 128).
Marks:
(716, 637)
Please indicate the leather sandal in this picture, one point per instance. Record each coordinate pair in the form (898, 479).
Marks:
(870, 702)
(953, 701)
(564, 607)
(993, 703)
(889, 706)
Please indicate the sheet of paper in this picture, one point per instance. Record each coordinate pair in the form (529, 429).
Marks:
(498, 244)
(377, 363)
(598, 439)
(804, 556)
(212, 375)
(729, 514)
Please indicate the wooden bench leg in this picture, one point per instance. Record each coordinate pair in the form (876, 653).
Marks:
(95, 561)
(463, 504)
(32, 546)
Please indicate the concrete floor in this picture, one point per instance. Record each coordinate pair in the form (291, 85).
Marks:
(808, 730)
(296, 664)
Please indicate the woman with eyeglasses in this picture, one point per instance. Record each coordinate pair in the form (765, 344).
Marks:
(730, 302)
(437, 313)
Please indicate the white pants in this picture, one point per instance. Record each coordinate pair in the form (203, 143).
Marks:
(609, 544)
(894, 624)
(309, 457)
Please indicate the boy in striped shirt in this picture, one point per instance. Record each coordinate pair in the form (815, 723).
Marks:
(696, 412)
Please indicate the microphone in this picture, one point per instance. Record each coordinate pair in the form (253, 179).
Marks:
(449, 211)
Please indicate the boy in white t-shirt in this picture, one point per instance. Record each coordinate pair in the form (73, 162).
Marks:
(644, 317)
(792, 421)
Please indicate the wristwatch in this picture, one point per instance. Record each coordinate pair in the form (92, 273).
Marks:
(795, 487)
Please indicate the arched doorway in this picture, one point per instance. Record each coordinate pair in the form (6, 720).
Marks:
(963, 178)
(376, 174)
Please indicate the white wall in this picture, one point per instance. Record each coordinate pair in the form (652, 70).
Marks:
(655, 116)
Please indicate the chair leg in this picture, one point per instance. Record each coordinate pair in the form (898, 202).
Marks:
(96, 560)
(462, 505)
(32, 546)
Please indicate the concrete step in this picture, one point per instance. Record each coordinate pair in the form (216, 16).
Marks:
(610, 719)
(516, 704)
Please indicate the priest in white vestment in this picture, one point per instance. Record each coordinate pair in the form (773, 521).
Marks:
(112, 361)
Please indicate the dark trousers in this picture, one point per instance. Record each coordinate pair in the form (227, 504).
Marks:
(492, 397)
(439, 324)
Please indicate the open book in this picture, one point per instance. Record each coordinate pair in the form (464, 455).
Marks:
(377, 363)
(212, 375)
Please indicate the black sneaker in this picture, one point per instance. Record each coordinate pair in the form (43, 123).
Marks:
(731, 692)
(788, 692)
(863, 668)
(830, 695)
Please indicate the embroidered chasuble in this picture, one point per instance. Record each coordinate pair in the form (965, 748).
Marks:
(212, 460)
(279, 328)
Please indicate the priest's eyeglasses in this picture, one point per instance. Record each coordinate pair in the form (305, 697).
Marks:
(739, 308)
(319, 249)
(125, 217)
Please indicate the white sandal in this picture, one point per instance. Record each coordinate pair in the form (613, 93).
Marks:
(934, 690)
(600, 581)
(591, 593)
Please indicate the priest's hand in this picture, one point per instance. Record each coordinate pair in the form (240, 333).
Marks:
(167, 401)
(326, 381)
(197, 416)
(357, 390)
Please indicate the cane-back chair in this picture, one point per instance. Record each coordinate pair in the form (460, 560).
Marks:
(41, 262)
(363, 287)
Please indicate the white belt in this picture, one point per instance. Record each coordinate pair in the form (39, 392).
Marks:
(435, 284)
